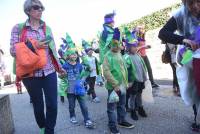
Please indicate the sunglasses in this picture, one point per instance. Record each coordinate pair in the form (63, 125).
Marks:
(37, 7)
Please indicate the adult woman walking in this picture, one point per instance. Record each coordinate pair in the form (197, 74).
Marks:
(185, 22)
(43, 80)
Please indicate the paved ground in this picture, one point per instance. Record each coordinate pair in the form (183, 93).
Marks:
(168, 115)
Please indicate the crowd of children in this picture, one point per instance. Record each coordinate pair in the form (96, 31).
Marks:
(124, 74)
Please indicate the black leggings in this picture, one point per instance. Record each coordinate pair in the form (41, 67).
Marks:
(91, 82)
(175, 81)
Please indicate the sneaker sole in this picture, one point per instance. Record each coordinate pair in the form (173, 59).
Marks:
(114, 133)
(90, 127)
(74, 122)
(126, 127)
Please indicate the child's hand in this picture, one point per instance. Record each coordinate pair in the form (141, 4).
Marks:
(191, 43)
(117, 89)
(148, 46)
(130, 85)
(62, 73)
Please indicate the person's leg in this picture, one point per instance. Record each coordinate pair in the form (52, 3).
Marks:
(88, 81)
(174, 73)
(72, 102)
(92, 85)
(196, 73)
(50, 92)
(34, 86)
(133, 106)
(138, 101)
(127, 99)
(99, 80)
(84, 108)
(121, 111)
(132, 102)
(31, 101)
(20, 87)
(149, 69)
(62, 89)
(112, 113)
(134, 115)
(175, 79)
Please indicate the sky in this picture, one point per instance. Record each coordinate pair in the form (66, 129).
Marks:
(82, 19)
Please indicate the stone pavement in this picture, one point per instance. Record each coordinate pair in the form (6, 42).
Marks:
(168, 115)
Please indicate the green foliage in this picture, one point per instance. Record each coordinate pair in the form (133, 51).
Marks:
(154, 20)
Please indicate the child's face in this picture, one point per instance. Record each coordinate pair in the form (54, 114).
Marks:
(133, 49)
(90, 52)
(73, 57)
(112, 24)
(115, 49)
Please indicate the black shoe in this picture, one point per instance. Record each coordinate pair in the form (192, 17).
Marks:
(114, 130)
(125, 124)
(62, 99)
(195, 127)
(142, 112)
(101, 84)
(155, 85)
(134, 115)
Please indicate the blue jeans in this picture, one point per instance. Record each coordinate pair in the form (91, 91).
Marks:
(36, 87)
(116, 111)
(82, 102)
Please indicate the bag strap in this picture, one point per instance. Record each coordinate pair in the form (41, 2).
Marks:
(23, 31)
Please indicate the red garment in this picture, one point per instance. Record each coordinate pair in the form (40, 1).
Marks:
(18, 84)
(196, 73)
(142, 51)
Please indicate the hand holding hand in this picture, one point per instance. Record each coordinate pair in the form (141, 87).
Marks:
(62, 72)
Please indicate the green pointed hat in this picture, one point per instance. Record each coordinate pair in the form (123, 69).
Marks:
(87, 46)
(130, 38)
(69, 41)
(71, 48)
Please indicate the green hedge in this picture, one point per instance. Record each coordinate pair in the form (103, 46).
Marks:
(154, 20)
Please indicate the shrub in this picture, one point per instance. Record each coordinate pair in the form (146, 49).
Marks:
(154, 20)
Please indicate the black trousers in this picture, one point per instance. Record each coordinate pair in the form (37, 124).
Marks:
(135, 90)
(175, 81)
(91, 82)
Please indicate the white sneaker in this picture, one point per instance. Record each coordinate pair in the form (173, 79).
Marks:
(89, 124)
(96, 100)
(73, 120)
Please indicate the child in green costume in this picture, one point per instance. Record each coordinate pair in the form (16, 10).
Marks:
(116, 75)
(137, 75)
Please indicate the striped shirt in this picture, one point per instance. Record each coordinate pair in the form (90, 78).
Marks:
(34, 34)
